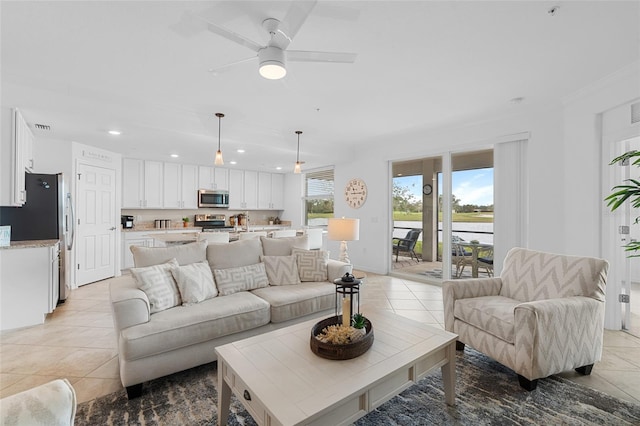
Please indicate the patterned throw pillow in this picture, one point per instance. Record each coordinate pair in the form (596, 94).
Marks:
(195, 282)
(281, 270)
(312, 264)
(159, 286)
(242, 278)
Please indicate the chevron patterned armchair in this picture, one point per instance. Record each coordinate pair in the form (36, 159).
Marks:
(542, 316)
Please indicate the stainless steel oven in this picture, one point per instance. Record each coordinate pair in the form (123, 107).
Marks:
(213, 198)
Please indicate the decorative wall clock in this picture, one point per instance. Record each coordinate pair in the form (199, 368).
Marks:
(355, 193)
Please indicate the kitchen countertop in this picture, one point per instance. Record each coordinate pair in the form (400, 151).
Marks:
(30, 244)
(154, 229)
(181, 237)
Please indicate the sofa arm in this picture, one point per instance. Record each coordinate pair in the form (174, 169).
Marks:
(129, 304)
(336, 269)
(453, 290)
(555, 335)
(51, 403)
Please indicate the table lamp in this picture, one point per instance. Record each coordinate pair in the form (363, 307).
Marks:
(344, 229)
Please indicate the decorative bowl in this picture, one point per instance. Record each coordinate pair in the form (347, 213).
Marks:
(339, 352)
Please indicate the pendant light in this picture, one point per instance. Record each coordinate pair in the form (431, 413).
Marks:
(219, 161)
(297, 168)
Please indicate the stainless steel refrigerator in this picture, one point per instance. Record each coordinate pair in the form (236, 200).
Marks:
(47, 215)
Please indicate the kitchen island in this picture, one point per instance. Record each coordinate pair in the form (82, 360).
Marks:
(29, 282)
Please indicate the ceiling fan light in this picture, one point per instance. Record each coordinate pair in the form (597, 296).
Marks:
(272, 71)
(272, 63)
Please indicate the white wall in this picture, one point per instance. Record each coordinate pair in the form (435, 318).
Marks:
(565, 171)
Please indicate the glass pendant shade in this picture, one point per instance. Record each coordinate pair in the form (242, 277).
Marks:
(218, 160)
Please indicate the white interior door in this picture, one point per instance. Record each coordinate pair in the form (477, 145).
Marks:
(96, 224)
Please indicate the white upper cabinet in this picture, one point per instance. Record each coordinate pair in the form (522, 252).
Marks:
(172, 187)
(270, 191)
(213, 178)
(243, 189)
(142, 183)
(16, 157)
(189, 186)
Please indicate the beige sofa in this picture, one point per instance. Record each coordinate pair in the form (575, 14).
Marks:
(542, 316)
(154, 344)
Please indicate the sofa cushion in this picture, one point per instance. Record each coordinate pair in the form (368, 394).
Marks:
(184, 254)
(493, 314)
(234, 254)
(158, 284)
(195, 282)
(185, 326)
(281, 270)
(242, 278)
(312, 264)
(283, 246)
(294, 301)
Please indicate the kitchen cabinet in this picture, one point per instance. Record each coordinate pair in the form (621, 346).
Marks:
(243, 189)
(134, 238)
(29, 285)
(16, 156)
(142, 184)
(180, 186)
(213, 178)
(270, 191)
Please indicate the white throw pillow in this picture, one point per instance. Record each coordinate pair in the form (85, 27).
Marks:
(312, 264)
(195, 282)
(159, 286)
(242, 278)
(281, 270)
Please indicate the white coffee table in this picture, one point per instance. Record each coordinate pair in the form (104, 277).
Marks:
(281, 381)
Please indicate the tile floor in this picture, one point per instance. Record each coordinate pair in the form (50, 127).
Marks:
(78, 342)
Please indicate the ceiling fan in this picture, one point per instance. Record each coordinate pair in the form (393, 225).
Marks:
(273, 57)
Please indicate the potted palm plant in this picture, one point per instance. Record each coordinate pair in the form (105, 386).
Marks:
(630, 190)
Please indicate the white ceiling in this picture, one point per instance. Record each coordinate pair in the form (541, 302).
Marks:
(84, 67)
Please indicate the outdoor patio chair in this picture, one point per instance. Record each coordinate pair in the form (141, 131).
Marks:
(407, 244)
(459, 257)
(486, 261)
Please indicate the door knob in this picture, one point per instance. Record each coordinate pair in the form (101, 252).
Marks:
(113, 228)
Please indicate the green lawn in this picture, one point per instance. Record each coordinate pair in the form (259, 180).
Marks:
(486, 217)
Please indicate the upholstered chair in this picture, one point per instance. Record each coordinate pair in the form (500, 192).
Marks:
(542, 316)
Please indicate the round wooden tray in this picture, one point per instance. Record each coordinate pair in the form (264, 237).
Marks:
(347, 351)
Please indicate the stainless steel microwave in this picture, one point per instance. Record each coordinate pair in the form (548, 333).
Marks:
(213, 198)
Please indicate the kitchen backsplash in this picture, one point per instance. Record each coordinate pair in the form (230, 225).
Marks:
(146, 218)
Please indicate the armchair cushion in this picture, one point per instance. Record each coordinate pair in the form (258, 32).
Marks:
(493, 314)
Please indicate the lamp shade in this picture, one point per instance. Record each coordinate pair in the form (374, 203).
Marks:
(344, 229)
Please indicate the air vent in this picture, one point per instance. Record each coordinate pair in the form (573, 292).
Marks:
(635, 113)
(42, 126)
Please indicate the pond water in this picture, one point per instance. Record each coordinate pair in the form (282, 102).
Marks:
(466, 230)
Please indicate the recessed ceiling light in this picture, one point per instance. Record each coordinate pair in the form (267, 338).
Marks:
(233, 162)
(174, 156)
(278, 168)
(115, 132)
(241, 151)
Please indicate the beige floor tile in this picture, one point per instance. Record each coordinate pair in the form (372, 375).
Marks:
(631, 355)
(620, 339)
(596, 381)
(376, 304)
(79, 363)
(418, 315)
(406, 304)
(88, 388)
(27, 382)
(428, 295)
(7, 379)
(28, 359)
(627, 381)
(433, 305)
(400, 294)
(108, 370)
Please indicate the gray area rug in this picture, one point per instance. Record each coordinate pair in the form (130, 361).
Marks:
(486, 394)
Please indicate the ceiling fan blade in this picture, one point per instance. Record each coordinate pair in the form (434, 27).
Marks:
(217, 70)
(304, 56)
(297, 14)
(230, 35)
